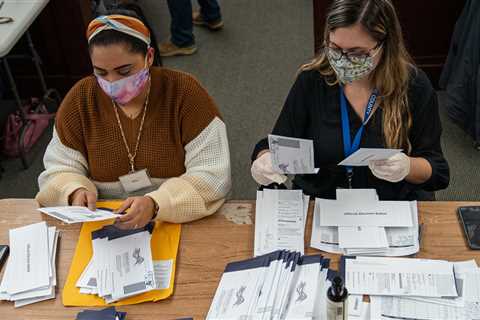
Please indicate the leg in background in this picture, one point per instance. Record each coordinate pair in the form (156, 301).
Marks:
(181, 27)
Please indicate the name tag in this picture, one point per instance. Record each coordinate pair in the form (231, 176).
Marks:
(135, 181)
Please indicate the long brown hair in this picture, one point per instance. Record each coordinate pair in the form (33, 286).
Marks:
(391, 76)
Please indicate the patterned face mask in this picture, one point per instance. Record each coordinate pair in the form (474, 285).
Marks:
(124, 90)
(347, 70)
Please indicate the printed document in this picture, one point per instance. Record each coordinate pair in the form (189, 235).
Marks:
(74, 214)
(292, 155)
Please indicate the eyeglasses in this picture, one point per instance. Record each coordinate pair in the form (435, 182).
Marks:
(352, 56)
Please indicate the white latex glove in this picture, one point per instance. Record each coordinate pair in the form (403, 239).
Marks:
(394, 169)
(262, 171)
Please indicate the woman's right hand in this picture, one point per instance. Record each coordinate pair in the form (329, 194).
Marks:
(262, 170)
(83, 198)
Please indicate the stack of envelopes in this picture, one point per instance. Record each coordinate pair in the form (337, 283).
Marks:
(404, 288)
(30, 274)
(278, 285)
(121, 265)
(280, 217)
(104, 314)
(357, 223)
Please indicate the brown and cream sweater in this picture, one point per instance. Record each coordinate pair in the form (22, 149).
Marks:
(183, 146)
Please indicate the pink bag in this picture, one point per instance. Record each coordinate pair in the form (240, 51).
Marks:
(24, 127)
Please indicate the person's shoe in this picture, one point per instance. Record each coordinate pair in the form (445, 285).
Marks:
(198, 20)
(168, 49)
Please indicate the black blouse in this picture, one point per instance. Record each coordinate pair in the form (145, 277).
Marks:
(312, 111)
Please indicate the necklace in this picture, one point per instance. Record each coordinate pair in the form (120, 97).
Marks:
(131, 157)
(133, 115)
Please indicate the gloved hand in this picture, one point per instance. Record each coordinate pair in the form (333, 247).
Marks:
(394, 169)
(263, 173)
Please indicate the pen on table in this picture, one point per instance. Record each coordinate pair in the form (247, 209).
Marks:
(1, 4)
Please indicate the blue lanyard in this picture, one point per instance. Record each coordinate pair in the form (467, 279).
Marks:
(348, 146)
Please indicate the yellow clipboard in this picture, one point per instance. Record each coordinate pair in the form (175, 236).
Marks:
(164, 244)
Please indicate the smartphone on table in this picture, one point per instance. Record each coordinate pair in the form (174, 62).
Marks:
(4, 250)
(470, 219)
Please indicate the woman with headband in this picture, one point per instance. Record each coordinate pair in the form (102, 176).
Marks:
(151, 134)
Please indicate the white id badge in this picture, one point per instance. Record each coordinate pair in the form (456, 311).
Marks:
(135, 181)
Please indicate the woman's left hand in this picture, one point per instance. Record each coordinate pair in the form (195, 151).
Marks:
(140, 212)
(394, 169)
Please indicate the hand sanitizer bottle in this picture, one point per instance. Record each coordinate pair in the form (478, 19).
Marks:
(337, 299)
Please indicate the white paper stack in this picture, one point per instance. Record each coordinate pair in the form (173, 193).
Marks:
(358, 309)
(75, 214)
(402, 288)
(280, 218)
(279, 285)
(30, 274)
(357, 223)
(121, 265)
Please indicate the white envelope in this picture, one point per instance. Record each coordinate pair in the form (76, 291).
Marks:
(29, 258)
(380, 214)
(131, 265)
(363, 155)
(362, 237)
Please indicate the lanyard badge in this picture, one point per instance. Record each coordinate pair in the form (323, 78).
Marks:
(350, 147)
(134, 180)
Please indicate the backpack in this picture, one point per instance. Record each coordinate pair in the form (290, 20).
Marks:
(25, 126)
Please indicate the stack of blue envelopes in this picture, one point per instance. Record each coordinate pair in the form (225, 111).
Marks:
(278, 285)
(105, 314)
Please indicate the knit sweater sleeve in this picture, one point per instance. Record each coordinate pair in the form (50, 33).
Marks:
(203, 188)
(65, 171)
(66, 166)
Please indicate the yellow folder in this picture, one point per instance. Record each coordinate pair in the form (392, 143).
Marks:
(164, 244)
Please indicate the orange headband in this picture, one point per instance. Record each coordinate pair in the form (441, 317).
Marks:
(121, 23)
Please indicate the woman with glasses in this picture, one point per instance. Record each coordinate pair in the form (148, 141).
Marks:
(362, 91)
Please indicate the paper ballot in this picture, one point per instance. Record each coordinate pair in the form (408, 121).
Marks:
(280, 218)
(465, 306)
(292, 155)
(420, 299)
(74, 214)
(399, 277)
(363, 155)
